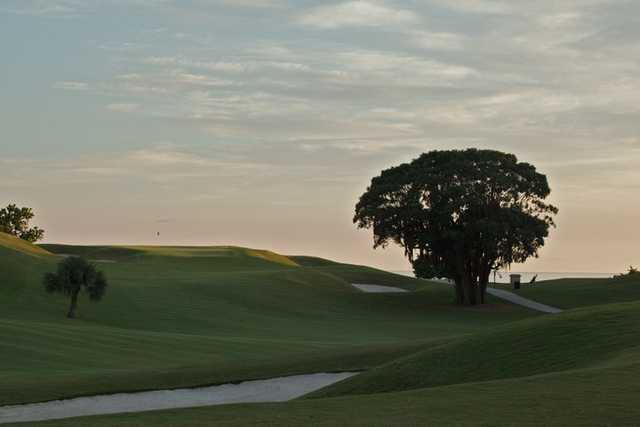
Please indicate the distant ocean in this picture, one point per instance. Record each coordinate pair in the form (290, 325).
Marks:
(503, 276)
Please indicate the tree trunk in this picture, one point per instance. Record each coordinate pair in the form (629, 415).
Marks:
(484, 281)
(471, 289)
(74, 304)
(459, 292)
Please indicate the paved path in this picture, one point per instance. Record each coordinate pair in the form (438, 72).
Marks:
(525, 302)
(272, 390)
(498, 293)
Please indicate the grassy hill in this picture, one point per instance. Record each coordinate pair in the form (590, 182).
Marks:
(21, 264)
(590, 397)
(577, 368)
(575, 339)
(572, 293)
(187, 316)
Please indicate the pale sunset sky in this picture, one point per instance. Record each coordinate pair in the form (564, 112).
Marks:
(260, 122)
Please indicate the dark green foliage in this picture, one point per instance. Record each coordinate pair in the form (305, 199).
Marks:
(459, 215)
(15, 221)
(631, 272)
(74, 275)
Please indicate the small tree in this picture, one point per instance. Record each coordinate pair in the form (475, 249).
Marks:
(15, 221)
(75, 274)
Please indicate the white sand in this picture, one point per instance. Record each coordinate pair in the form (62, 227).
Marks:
(272, 390)
(379, 289)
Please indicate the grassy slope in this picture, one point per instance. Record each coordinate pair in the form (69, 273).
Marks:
(571, 293)
(590, 397)
(241, 320)
(575, 339)
(177, 317)
(596, 348)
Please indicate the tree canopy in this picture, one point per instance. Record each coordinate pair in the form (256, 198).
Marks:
(459, 214)
(15, 221)
(75, 274)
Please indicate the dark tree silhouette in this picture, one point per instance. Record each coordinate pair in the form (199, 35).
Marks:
(631, 272)
(15, 221)
(75, 274)
(459, 214)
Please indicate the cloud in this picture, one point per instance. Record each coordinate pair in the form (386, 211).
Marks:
(387, 68)
(165, 155)
(476, 6)
(54, 8)
(437, 41)
(124, 107)
(632, 142)
(253, 3)
(99, 171)
(69, 85)
(243, 66)
(357, 14)
(504, 109)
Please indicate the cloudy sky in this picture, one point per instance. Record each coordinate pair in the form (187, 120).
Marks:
(260, 122)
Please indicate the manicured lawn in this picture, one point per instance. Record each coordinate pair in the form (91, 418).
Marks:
(188, 316)
(176, 317)
(572, 293)
(574, 339)
(589, 397)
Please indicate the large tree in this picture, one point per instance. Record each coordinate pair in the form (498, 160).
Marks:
(459, 214)
(75, 274)
(15, 221)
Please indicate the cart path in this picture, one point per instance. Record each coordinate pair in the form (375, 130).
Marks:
(498, 293)
(525, 302)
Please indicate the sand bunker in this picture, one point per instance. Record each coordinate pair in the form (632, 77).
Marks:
(379, 289)
(271, 390)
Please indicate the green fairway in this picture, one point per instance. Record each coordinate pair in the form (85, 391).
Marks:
(187, 316)
(594, 353)
(572, 293)
(605, 396)
(571, 340)
(175, 317)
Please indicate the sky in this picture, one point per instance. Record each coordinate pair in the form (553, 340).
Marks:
(260, 122)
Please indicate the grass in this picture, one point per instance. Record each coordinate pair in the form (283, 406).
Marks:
(10, 244)
(187, 316)
(177, 317)
(605, 396)
(578, 368)
(573, 293)
(575, 339)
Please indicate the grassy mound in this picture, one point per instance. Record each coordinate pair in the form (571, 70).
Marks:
(187, 316)
(589, 397)
(572, 293)
(175, 317)
(21, 264)
(219, 258)
(10, 244)
(572, 340)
